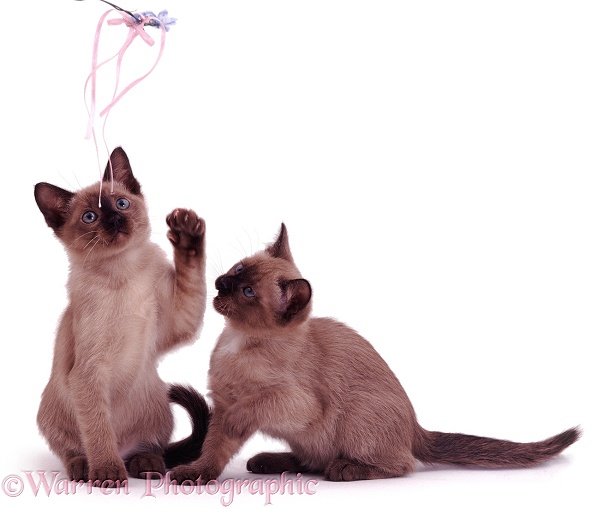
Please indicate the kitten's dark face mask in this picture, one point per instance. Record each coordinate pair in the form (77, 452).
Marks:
(237, 299)
(111, 223)
(94, 231)
(264, 291)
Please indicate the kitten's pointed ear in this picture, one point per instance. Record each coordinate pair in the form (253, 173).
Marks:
(280, 247)
(122, 171)
(53, 202)
(296, 296)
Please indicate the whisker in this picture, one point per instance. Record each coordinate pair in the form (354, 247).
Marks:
(83, 234)
(215, 273)
(253, 248)
(77, 180)
(242, 247)
(216, 265)
(66, 181)
(95, 244)
(91, 240)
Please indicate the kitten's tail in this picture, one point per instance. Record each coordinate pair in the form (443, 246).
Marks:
(188, 449)
(469, 450)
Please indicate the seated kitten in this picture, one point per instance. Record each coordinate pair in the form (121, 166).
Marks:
(128, 305)
(321, 387)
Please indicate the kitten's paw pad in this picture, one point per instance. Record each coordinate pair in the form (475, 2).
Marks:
(188, 473)
(146, 465)
(77, 468)
(186, 230)
(109, 475)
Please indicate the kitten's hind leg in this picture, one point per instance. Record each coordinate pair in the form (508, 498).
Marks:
(351, 470)
(146, 462)
(274, 463)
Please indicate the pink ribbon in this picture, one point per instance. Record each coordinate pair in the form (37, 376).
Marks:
(136, 29)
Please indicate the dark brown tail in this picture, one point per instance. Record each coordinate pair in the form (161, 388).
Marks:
(469, 450)
(189, 448)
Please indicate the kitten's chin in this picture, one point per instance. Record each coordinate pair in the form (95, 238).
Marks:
(220, 305)
(119, 238)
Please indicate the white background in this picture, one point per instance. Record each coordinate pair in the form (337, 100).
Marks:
(438, 165)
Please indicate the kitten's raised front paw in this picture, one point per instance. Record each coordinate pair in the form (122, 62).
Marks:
(77, 468)
(109, 475)
(186, 231)
(146, 464)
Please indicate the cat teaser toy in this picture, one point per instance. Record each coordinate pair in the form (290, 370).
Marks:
(136, 23)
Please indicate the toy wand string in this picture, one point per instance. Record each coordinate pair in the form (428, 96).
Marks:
(136, 23)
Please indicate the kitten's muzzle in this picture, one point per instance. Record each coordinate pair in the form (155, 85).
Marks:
(113, 221)
(226, 285)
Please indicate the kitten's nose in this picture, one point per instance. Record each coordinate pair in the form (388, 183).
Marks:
(115, 219)
(225, 284)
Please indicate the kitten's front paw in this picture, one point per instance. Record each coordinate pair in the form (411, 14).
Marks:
(190, 473)
(187, 231)
(109, 475)
(145, 463)
(77, 468)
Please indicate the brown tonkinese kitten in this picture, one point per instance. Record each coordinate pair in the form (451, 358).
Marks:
(322, 388)
(128, 305)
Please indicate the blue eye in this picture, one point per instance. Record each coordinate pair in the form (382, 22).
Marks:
(122, 203)
(248, 292)
(89, 217)
(238, 268)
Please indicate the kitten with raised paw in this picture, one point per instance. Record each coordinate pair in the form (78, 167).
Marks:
(105, 411)
(322, 388)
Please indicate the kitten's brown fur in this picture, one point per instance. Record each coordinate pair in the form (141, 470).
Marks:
(321, 387)
(128, 305)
